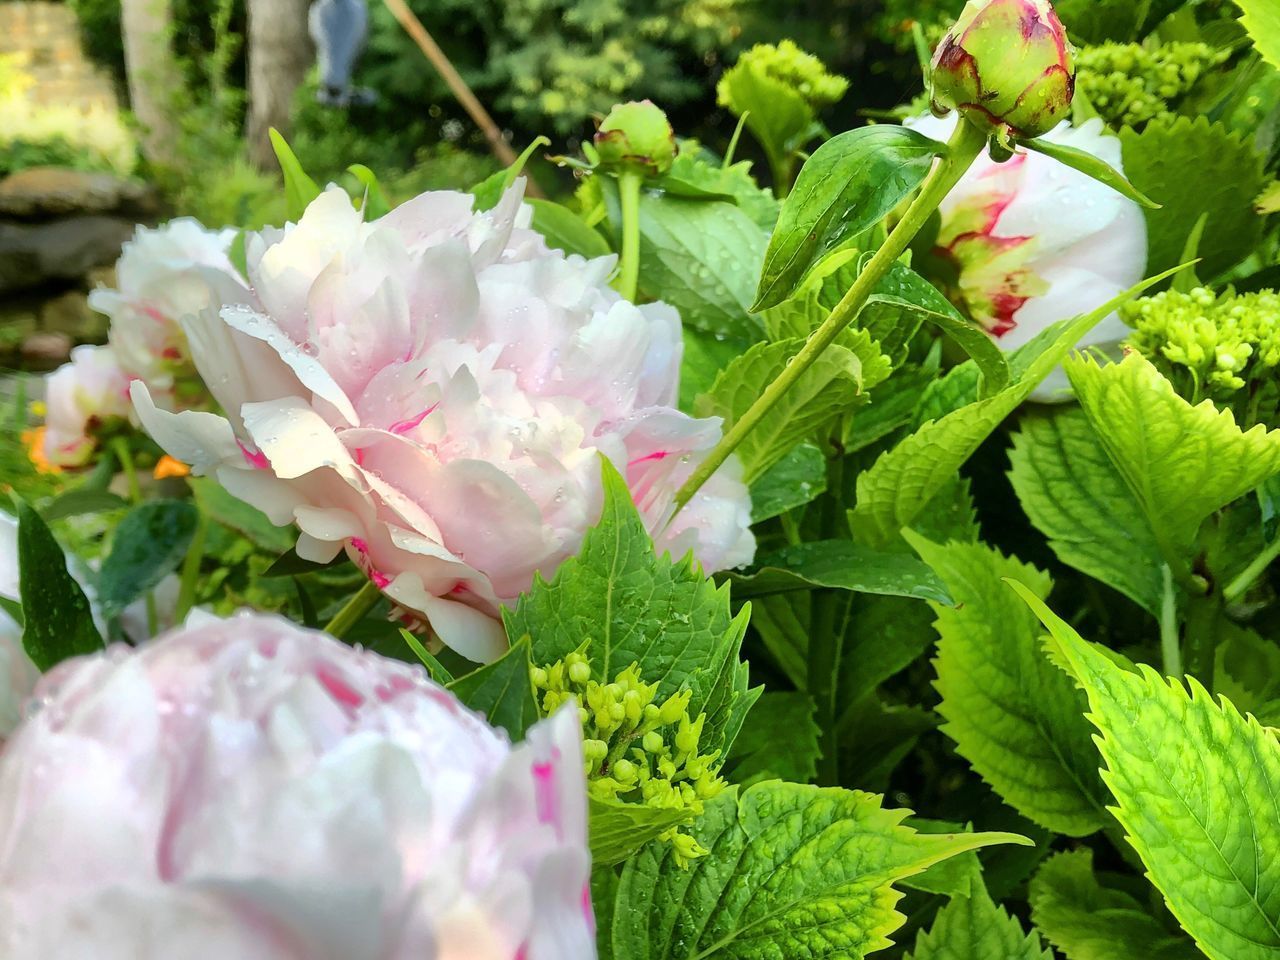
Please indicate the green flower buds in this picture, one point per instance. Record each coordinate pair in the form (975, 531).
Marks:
(1007, 67)
(636, 138)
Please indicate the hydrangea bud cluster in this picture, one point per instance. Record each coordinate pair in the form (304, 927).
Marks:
(1130, 84)
(636, 749)
(789, 65)
(1225, 349)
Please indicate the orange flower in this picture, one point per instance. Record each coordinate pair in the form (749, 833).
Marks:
(167, 466)
(34, 440)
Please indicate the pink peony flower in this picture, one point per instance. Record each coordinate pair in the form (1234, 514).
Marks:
(80, 396)
(248, 789)
(432, 392)
(163, 275)
(18, 674)
(1035, 242)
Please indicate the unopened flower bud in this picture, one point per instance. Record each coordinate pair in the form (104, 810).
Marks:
(1007, 66)
(636, 138)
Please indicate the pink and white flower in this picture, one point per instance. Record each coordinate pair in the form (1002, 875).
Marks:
(1034, 242)
(246, 788)
(80, 397)
(432, 392)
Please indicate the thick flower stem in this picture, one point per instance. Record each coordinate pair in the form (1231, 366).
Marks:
(1170, 645)
(966, 145)
(191, 569)
(353, 612)
(629, 184)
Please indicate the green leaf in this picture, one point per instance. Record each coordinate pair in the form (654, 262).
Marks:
(57, 619)
(792, 871)
(705, 357)
(841, 565)
(776, 114)
(375, 202)
(289, 564)
(1262, 20)
(1012, 714)
(958, 877)
(761, 753)
(905, 479)
(1074, 495)
(1196, 787)
(636, 607)
(75, 503)
(437, 670)
(1096, 21)
(232, 512)
(796, 479)
(850, 183)
(734, 182)
(1091, 166)
(1087, 921)
(975, 928)
(1194, 167)
(299, 189)
(490, 190)
(502, 691)
(617, 829)
(150, 542)
(831, 386)
(1181, 463)
(565, 230)
(702, 257)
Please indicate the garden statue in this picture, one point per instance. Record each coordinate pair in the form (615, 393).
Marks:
(339, 28)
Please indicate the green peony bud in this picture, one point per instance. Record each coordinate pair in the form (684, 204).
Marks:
(1007, 67)
(636, 138)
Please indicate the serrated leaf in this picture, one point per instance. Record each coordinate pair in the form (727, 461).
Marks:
(841, 565)
(760, 753)
(1193, 167)
(975, 928)
(1087, 921)
(1012, 714)
(565, 230)
(1181, 463)
(1073, 494)
(776, 114)
(617, 830)
(150, 542)
(299, 188)
(636, 607)
(796, 479)
(1195, 787)
(1262, 20)
(57, 619)
(831, 386)
(791, 871)
(502, 691)
(1091, 166)
(734, 181)
(850, 183)
(960, 876)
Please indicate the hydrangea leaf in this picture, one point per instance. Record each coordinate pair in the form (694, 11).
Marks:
(1193, 167)
(1195, 787)
(841, 565)
(617, 829)
(636, 607)
(796, 479)
(959, 876)
(828, 388)
(1012, 714)
(1087, 921)
(1074, 495)
(502, 691)
(1262, 20)
(1181, 462)
(702, 170)
(760, 753)
(791, 871)
(776, 114)
(976, 928)
(150, 542)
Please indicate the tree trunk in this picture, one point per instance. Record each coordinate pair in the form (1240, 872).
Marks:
(280, 54)
(153, 75)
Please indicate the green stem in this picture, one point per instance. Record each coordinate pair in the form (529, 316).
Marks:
(629, 184)
(1170, 649)
(365, 599)
(191, 569)
(120, 446)
(1202, 630)
(830, 623)
(1237, 587)
(965, 147)
(783, 169)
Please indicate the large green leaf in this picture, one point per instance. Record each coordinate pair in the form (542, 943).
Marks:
(1262, 20)
(617, 829)
(502, 691)
(1193, 167)
(1012, 714)
(1195, 787)
(636, 607)
(1072, 492)
(796, 479)
(57, 620)
(843, 566)
(975, 928)
(791, 871)
(1181, 462)
(150, 542)
(776, 114)
(565, 230)
(761, 752)
(1096, 21)
(849, 184)
(1087, 921)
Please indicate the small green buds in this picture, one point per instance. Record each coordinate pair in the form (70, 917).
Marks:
(636, 138)
(1007, 66)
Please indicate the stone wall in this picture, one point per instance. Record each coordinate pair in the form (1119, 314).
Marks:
(45, 38)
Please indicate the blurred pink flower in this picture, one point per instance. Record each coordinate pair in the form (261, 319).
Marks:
(80, 396)
(1035, 242)
(432, 391)
(248, 789)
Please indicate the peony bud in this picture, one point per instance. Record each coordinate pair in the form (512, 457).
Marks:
(636, 138)
(1007, 66)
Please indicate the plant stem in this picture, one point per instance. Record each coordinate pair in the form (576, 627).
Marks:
(965, 147)
(1237, 587)
(1170, 649)
(1201, 632)
(361, 603)
(120, 446)
(629, 184)
(191, 569)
